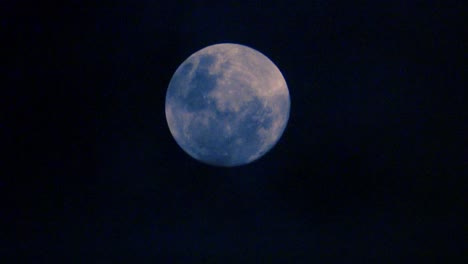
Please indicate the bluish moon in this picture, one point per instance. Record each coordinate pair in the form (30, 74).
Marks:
(227, 105)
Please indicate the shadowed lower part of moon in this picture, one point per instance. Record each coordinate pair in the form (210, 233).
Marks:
(227, 105)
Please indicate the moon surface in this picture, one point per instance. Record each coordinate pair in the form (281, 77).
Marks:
(227, 105)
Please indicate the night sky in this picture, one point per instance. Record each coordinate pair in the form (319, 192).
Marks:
(370, 168)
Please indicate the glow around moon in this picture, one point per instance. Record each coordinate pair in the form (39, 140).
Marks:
(227, 105)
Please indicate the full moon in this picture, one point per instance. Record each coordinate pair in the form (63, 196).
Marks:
(227, 105)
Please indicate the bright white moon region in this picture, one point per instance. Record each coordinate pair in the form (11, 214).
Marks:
(227, 105)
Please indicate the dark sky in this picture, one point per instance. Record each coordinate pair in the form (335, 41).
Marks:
(369, 168)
